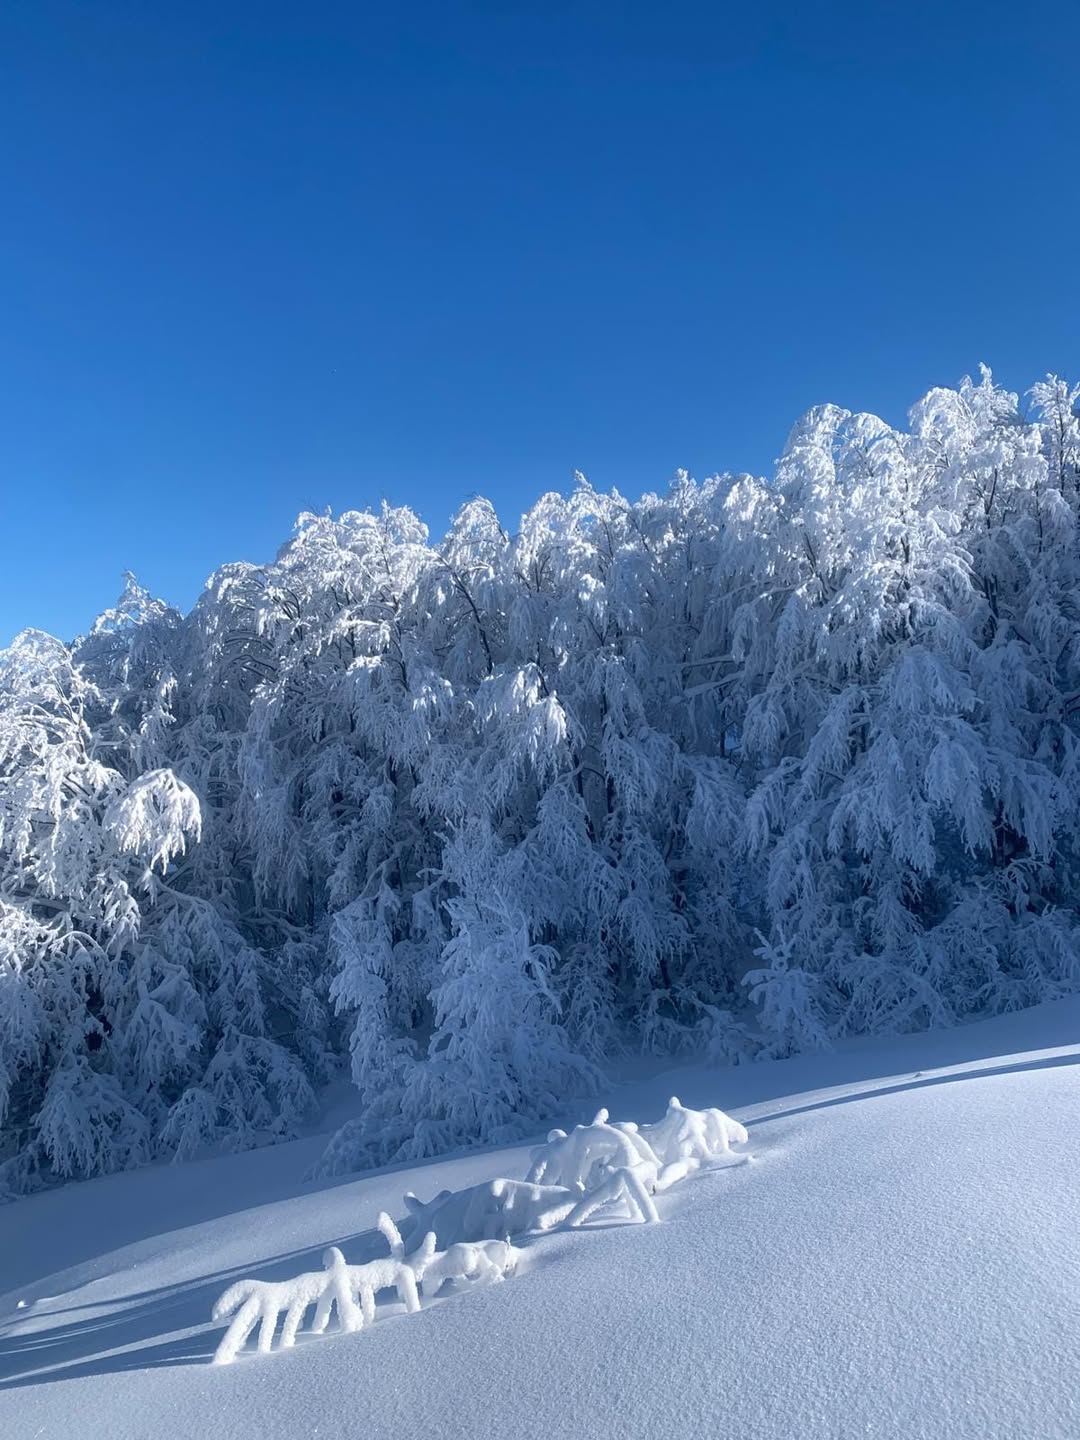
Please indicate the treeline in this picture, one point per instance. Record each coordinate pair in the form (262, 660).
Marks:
(737, 769)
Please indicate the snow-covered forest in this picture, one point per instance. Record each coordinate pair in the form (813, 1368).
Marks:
(734, 770)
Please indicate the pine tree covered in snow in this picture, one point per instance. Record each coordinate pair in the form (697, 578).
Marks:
(740, 768)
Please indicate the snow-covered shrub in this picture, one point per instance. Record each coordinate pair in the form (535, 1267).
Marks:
(590, 1153)
(260, 1302)
(387, 1273)
(479, 1262)
(494, 1210)
(475, 1225)
(698, 1135)
(502, 1209)
(505, 1209)
(685, 1140)
(647, 1157)
(622, 1191)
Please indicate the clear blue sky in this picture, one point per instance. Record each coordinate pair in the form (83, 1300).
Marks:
(259, 258)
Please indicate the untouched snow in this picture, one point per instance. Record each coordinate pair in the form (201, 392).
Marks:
(900, 1259)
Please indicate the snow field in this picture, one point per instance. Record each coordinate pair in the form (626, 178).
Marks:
(901, 1259)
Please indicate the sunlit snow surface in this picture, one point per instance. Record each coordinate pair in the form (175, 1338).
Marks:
(901, 1258)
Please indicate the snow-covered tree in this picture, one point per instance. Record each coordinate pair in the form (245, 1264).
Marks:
(79, 847)
(740, 768)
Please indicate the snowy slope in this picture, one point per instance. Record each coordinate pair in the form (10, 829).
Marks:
(901, 1258)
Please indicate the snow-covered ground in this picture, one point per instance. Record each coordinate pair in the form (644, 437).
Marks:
(900, 1259)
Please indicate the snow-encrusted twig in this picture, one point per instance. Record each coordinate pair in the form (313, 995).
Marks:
(365, 1282)
(621, 1188)
(597, 1169)
(477, 1262)
(591, 1152)
(256, 1301)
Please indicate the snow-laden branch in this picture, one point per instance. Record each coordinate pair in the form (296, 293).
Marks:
(155, 818)
(261, 1302)
(475, 1226)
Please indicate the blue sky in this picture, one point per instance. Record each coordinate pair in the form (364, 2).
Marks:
(264, 258)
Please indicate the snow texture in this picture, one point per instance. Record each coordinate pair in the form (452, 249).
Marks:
(903, 1272)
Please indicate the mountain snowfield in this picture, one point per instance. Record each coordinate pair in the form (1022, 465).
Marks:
(900, 1258)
